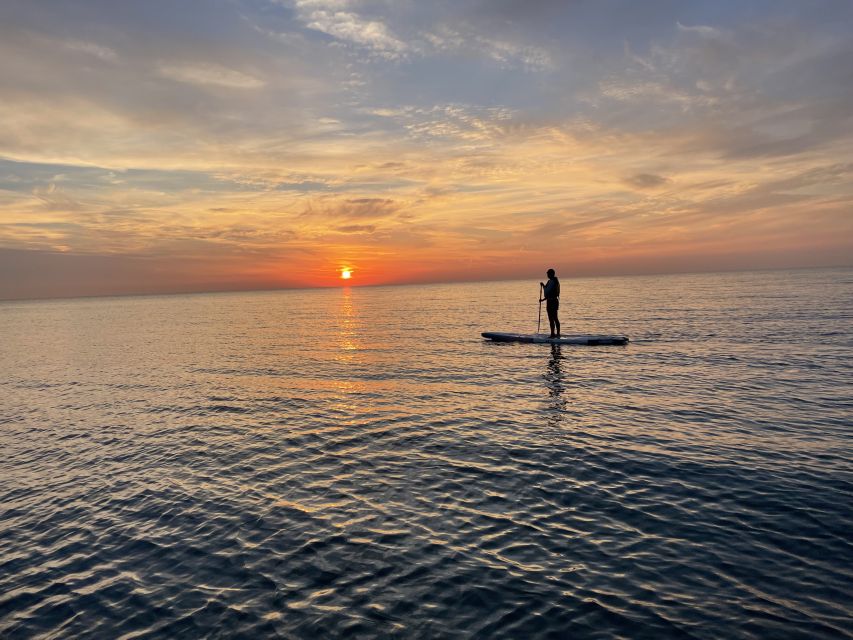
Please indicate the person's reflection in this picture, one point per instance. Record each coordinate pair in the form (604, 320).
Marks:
(554, 379)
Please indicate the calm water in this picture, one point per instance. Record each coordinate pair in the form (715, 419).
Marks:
(317, 464)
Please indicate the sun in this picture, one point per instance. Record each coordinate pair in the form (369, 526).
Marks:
(346, 274)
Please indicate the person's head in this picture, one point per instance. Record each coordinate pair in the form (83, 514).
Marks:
(551, 273)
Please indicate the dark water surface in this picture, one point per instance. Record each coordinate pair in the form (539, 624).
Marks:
(359, 463)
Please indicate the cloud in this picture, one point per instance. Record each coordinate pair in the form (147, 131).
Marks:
(639, 91)
(646, 180)
(701, 30)
(328, 17)
(55, 199)
(465, 123)
(506, 52)
(209, 74)
(91, 48)
(352, 208)
(510, 54)
(356, 228)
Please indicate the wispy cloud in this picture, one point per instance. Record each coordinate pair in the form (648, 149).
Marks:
(512, 54)
(702, 30)
(646, 180)
(331, 18)
(506, 53)
(351, 208)
(209, 74)
(92, 48)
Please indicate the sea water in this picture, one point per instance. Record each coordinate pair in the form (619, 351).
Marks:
(359, 462)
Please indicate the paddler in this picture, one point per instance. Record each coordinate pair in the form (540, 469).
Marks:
(551, 297)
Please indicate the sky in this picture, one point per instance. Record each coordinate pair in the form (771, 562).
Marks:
(165, 146)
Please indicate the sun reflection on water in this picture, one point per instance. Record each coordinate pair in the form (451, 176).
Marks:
(348, 323)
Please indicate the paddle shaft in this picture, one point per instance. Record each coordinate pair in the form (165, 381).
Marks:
(539, 320)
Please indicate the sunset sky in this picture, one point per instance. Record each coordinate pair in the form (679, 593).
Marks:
(225, 144)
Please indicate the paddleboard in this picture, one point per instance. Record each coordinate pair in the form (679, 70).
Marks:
(564, 339)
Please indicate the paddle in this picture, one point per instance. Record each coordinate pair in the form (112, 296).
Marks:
(539, 321)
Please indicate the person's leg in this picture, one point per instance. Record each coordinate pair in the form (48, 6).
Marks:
(553, 317)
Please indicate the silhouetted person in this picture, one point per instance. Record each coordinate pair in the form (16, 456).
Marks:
(551, 296)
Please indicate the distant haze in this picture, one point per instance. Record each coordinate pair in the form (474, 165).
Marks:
(157, 146)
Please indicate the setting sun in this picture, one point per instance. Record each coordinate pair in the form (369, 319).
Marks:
(346, 274)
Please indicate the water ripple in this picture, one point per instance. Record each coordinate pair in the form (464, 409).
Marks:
(301, 464)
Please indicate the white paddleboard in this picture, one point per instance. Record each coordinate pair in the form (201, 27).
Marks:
(564, 339)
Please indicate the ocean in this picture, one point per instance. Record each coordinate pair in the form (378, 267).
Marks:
(359, 462)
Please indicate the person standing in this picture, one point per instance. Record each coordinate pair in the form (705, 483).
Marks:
(551, 297)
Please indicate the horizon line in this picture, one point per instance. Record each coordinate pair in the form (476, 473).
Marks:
(350, 284)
